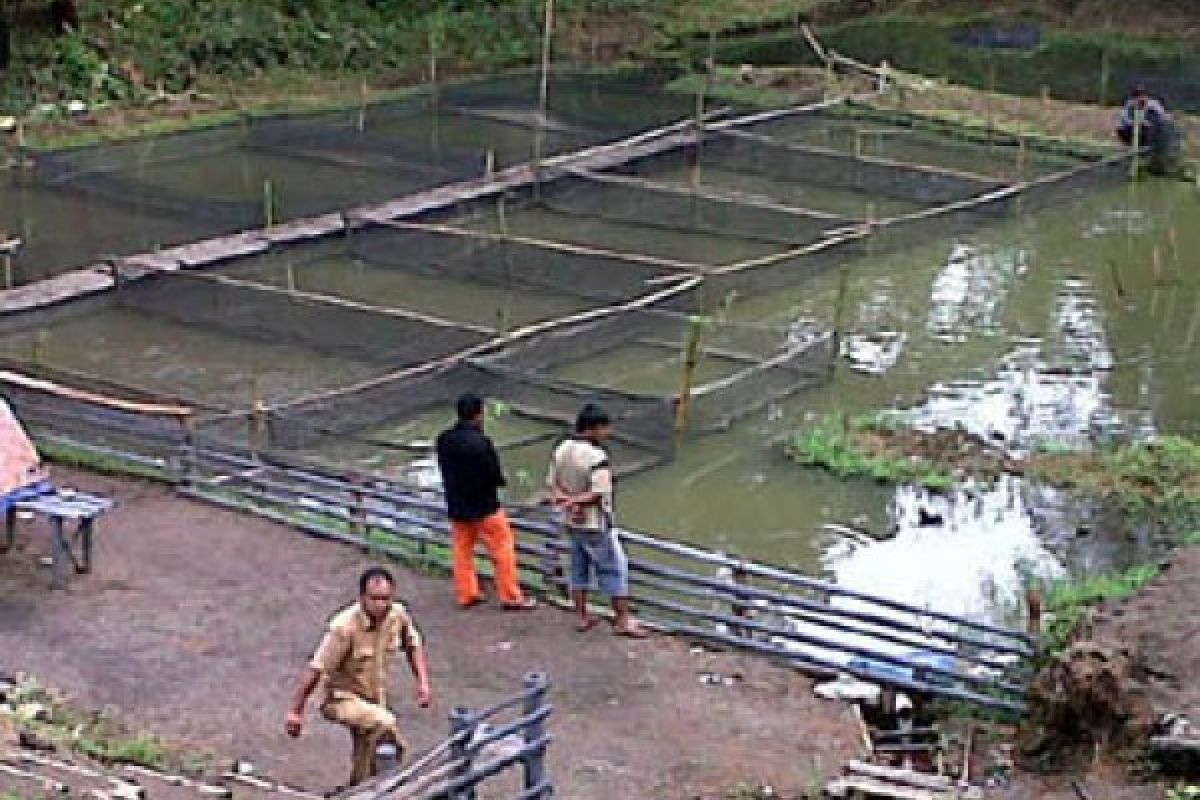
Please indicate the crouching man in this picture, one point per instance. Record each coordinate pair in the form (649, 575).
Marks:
(354, 659)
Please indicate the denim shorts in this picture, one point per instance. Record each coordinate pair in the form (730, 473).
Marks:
(598, 554)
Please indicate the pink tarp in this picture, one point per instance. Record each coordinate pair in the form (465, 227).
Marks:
(19, 462)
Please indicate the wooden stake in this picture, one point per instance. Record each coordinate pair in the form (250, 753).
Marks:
(691, 359)
(543, 95)
(362, 106)
(268, 204)
(1104, 70)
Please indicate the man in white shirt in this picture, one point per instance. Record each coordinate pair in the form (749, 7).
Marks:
(581, 485)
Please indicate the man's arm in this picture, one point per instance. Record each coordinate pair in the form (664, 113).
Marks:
(492, 459)
(414, 650)
(420, 671)
(329, 654)
(308, 682)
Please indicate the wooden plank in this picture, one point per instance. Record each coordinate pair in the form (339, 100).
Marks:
(114, 403)
(842, 787)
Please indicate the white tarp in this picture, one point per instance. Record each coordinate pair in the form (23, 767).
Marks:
(19, 462)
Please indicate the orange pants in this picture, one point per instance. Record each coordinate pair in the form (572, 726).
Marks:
(498, 538)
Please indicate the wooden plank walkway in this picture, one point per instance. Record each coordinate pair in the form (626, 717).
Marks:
(98, 277)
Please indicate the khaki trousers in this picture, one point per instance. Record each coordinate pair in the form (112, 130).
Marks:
(369, 723)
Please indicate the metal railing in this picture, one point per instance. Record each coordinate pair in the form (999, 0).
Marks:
(818, 627)
(482, 744)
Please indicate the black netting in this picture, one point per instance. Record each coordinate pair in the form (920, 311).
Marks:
(322, 325)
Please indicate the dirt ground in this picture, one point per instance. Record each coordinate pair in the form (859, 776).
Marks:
(1158, 631)
(196, 622)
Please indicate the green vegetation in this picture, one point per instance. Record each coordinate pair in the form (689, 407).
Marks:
(43, 714)
(1066, 602)
(839, 445)
(1088, 64)
(70, 454)
(1160, 479)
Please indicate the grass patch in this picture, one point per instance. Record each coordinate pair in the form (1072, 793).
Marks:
(70, 454)
(1067, 601)
(44, 714)
(843, 446)
(1160, 478)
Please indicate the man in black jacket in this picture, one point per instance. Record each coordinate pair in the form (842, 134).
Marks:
(471, 477)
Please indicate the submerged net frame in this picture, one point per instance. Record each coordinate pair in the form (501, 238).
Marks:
(426, 360)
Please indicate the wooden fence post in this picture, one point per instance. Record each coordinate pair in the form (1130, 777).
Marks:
(740, 578)
(534, 760)
(462, 719)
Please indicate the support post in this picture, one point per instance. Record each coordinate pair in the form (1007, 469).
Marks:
(58, 560)
(10, 528)
(86, 529)
(462, 719)
(741, 578)
(534, 760)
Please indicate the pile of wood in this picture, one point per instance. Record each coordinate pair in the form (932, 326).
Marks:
(861, 779)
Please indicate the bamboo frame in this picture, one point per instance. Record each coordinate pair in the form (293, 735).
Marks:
(804, 149)
(714, 195)
(683, 285)
(549, 244)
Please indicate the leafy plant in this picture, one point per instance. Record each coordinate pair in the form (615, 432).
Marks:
(1067, 600)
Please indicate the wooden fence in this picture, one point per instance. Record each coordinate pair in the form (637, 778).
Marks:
(482, 745)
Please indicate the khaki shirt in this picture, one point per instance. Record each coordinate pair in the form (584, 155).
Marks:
(355, 656)
(580, 466)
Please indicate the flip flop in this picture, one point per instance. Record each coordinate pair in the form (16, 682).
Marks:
(584, 627)
(631, 632)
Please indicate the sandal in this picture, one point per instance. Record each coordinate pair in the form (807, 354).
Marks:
(528, 604)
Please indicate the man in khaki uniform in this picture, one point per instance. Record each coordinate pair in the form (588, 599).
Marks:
(354, 658)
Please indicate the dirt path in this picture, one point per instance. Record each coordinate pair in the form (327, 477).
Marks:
(196, 621)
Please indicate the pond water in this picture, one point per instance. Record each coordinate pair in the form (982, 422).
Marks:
(1050, 327)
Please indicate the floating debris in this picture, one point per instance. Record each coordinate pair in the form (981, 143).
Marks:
(873, 353)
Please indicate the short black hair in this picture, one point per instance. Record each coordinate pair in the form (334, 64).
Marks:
(469, 406)
(372, 574)
(591, 416)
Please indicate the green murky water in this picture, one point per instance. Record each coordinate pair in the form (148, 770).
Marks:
(1115, 269)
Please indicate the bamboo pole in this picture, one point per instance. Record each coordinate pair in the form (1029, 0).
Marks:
(713, 194)
(547, 244)
(691, 359)
(62, 391)
(683, 285)
(828, 152)
(268, 195)
(543, 95)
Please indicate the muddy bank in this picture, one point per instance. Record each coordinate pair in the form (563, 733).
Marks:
(1132, 667)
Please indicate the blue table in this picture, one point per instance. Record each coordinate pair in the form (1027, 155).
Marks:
(61, 506)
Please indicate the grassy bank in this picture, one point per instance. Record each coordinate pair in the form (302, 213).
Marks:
(1066, 602)
(34, 710)
(1161, 478)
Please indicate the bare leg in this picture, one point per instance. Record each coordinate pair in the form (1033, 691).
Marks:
(586, 620)
(625, 624)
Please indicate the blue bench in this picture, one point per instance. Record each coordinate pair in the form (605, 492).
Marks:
(60, 506)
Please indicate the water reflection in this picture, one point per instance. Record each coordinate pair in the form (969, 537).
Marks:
(970, 552)
(1046, 392)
